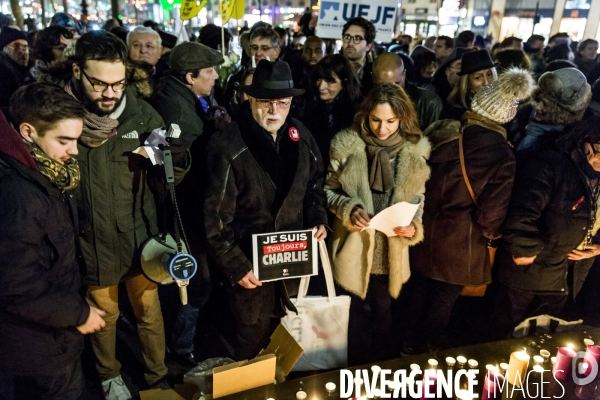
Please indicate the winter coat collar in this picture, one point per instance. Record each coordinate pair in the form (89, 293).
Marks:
(12, 145)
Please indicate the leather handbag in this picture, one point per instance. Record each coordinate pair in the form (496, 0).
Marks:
(472, 291)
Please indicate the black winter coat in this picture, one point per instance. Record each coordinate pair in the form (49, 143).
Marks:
(454, 249)
(40, 274)
(546, 219)
(251, 189)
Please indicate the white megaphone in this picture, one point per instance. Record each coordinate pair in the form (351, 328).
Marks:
(163, 264)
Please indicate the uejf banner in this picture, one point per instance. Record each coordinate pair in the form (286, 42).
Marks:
(284, 255)
(334, 14)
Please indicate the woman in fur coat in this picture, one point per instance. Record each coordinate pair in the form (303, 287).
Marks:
(378, 162)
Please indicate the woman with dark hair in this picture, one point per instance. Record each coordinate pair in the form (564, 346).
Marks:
(49, 47)
(378, 162)
(332, 101)
(586, 57)
(477, 71)
(425, 65)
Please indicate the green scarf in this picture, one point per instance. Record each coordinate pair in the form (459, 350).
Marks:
(63, 176)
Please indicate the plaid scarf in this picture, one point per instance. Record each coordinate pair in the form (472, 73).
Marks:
(96, 129)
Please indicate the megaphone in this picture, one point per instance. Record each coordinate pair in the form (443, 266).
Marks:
(164, 264)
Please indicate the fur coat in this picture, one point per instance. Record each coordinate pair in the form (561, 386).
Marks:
(348, 186)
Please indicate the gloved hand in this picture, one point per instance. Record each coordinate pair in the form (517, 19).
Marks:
(179, 151)
(218, 115)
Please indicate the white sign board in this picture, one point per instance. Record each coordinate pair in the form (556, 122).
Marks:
(334, 14)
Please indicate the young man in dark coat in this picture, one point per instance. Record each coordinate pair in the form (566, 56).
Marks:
(42, 315)
(549, 237)
(266, 175)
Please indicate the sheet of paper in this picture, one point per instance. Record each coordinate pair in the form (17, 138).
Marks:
(151, 148)
(400, 214)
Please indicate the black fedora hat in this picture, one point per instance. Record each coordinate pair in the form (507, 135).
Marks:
(272, 80)
(474, 61)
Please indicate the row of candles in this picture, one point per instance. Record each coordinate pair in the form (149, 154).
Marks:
(514, 372)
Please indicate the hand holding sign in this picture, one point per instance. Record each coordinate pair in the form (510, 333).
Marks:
(250, 281)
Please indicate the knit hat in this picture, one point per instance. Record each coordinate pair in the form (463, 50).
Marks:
(192, 56)
(499, 100)
(567, 87)
(9, 35)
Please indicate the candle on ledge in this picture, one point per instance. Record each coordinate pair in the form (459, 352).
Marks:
(301, 395)
(461, 361)
(450, 362)
(588, 342)
(553, 359)
(517, 368)
(492, 384)
(330, 387)
(432, 363)
(545, 354)
(490, 367)
(562, 367)
(414, 367)
(504, 368)
(538, 359)
(429, 376)
(592, 353)
(472, 364)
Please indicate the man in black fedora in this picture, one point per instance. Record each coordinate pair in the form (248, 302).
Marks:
(266, 175)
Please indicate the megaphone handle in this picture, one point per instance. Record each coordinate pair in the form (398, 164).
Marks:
(183, 295)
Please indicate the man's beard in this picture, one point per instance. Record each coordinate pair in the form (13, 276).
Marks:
(95, 106)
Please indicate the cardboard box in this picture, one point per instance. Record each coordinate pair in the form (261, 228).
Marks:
(274, 363)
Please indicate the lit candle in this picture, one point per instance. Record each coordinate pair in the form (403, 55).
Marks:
(517, 368)
(545, 354)
(490, 367)
(472, 364)
(414, 367)
(301, 395)
(592, 353)
(538, 359)
(432, 363)
(450, 361)
(562, 367)
(429, 377)
(493, 379)
(461, 361)
(330, 387)
(588, 342)
(553, 359)
(359, 381)
(504, 368)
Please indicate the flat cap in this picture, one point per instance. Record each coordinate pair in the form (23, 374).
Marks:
(192, 56)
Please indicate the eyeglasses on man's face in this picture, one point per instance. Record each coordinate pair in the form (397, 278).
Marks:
(355, 39)
(266, 104)
(263, 48)
(99, 86)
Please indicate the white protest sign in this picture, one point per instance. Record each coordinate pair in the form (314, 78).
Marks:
(334, 14)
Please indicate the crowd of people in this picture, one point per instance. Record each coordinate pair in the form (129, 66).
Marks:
(498, 145)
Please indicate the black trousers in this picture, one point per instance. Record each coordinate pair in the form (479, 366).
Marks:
(430, 308)
(251, 339)
(65, 383)
(513, 306)
(370, 325)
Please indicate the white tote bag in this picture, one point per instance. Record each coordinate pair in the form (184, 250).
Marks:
(321, 326)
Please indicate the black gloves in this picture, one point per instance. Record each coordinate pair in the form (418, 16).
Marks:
(179, 151)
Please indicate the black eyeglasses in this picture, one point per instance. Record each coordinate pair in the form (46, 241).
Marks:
(100, 86)
(356, 39)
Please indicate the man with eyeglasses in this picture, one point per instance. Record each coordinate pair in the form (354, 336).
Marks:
(358, 36)
(266, 175)
(14, 57)
(264, 45)
(116, 207)
(549, 236)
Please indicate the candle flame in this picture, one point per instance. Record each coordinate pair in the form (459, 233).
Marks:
(571, 346)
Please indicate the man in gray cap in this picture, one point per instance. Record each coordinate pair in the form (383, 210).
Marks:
(560, 99)
(183, 98)
(266, 175)
(14, 56)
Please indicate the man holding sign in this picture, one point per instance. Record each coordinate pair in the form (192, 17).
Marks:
(266, 176)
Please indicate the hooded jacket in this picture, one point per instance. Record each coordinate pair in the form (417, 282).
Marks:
(454, 250)
(347, 186)
(42, 268)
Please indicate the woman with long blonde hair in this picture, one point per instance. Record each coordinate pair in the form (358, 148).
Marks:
(378, 162)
